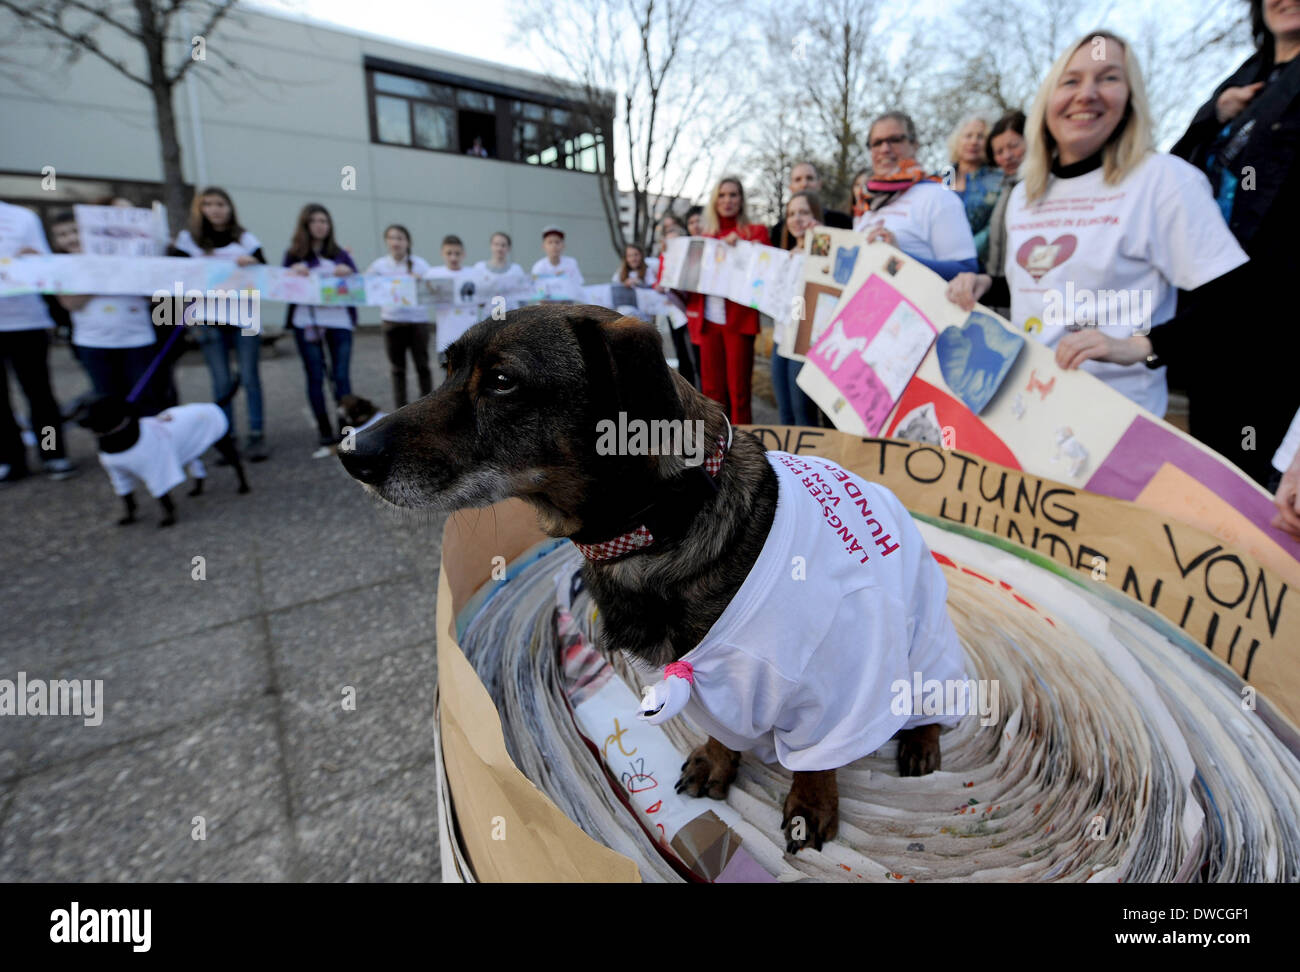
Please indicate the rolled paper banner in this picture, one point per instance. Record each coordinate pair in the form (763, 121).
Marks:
(667, 698)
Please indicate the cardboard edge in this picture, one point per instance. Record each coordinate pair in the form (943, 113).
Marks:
(541, 844)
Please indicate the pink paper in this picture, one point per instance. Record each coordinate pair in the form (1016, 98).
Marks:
(872, 349)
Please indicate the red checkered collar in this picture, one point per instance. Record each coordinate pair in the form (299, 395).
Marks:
(641, 537)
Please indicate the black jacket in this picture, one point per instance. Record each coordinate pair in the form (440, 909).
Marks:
(1263, 218)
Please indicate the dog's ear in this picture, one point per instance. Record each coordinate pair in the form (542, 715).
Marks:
(626, 369)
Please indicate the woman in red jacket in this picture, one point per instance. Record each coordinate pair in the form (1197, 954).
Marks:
(725, 331)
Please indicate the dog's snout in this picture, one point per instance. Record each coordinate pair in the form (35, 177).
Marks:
(368, 460)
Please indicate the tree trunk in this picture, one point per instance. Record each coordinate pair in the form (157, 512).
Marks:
(152, 34)
(173, 180)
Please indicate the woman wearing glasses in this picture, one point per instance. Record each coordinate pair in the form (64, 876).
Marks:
(908, 209)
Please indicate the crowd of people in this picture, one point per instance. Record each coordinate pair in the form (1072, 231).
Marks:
(1075, 182)
(1194, 236)
(126, 355)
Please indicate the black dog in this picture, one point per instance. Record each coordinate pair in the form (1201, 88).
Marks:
(521, 414)
(156, 451)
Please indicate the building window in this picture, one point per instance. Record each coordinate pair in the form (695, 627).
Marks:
(424, 109)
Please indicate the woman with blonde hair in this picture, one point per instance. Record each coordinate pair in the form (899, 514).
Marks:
(974, 177)
(725, 331)
(1103, 230)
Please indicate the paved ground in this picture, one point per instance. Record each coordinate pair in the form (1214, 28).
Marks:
(223, 697)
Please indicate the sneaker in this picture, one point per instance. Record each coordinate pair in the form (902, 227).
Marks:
(324, 452)
(11, 474)
(60, 468)
(255, 448)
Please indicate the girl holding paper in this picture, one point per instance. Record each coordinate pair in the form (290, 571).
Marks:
(802, 212)
(112, 337)
(724, 330)
(907, 208)
(503, 277)
(1143, 225)
(214, 232)
(636, 270)
(318, 329)
(405, 328)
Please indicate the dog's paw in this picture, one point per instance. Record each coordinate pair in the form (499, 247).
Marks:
(812, 811)
(167, 521)
(126, 521)
(709, 770)
(243, 488)
(196, 491)
(918, 751)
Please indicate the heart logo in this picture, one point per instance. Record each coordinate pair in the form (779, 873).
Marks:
(1038, 256)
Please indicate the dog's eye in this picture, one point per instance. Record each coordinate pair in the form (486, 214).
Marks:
(500, 382)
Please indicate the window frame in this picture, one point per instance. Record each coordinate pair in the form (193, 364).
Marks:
(509, 113)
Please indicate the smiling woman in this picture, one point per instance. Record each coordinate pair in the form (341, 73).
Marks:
(1100, 213)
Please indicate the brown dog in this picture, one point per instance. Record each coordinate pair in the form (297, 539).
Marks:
(526, 411)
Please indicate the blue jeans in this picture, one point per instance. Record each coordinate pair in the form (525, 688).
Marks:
(114, 371)
(795, 407)
(216, 342)
(338, 340)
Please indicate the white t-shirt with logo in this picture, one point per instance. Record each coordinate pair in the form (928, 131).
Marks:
(171, 440)
(562, 282)
(844, 600)
(20, 229)
(455, 320)
(418, 267)
(113, 322)
(1090, 253)
(246, 245)
(928, 221)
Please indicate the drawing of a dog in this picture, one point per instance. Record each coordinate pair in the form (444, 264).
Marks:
(839, 345)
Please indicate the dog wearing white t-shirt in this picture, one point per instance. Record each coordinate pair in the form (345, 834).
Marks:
(158, 451)
(782, 596)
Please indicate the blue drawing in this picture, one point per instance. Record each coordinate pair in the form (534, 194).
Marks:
(976, 357)
(844, 262)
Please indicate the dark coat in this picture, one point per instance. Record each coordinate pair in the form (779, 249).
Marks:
(1263, 218)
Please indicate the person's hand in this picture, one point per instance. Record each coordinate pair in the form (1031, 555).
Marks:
(731, 238)
(966, 289)
(342, 270)
(1090, 344)
(883, 235)
(301, 269)
(1234, 100)
(244, 260)
(1287, 500)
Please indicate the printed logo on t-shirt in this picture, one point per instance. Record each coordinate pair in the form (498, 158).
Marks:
(1038, 256)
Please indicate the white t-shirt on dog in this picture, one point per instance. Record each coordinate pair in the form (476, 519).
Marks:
(1089, 253)
(168, 442)
(844, 600)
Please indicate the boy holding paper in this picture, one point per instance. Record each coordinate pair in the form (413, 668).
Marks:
(454, 319)
(557, 276)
